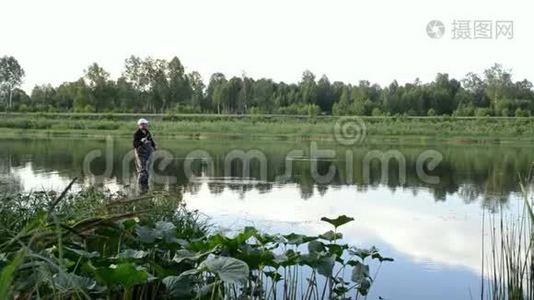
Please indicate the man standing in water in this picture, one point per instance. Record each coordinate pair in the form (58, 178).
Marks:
(144, 146)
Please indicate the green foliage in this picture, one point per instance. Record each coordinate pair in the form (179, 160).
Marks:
(310, 110)
(125, 274)
(483, 112)
(464, 111)
(376, 112)
(341, 220)
(7, 274)
(265, 126)
(227, 269)
(161, 86)
(11, 75)
(96, 245)
(510, 253)
(521, 113)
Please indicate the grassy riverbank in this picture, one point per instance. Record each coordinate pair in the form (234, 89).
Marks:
(268, 126)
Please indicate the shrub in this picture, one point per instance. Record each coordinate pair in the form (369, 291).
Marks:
(482, 112)
(522, 113)
(464, 111)
(376, 112)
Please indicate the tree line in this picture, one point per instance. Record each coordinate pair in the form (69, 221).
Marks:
(161, 86)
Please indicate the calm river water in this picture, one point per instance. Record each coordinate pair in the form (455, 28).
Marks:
(432, 229)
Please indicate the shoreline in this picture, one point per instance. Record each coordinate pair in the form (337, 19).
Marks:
(279, 128)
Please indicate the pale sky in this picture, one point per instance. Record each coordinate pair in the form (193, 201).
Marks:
(347, 40)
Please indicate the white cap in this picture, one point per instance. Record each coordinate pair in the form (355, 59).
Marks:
(142, 121)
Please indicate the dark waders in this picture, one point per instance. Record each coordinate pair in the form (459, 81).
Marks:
(142, 163)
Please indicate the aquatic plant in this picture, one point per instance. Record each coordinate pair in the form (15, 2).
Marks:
(91, 244)
(508, 264)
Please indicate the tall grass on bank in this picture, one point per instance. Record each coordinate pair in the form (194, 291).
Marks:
(270, 125)
(508, 264)
(90, 244)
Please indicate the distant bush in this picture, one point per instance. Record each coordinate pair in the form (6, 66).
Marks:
(184, 109)
(300, 109)
(24, 108)
(522, 113)
(464, 111)
(377, 112)
(255, 111)
(505, 112)
(483, 112)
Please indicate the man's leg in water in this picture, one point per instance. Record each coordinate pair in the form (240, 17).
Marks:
(141, 162)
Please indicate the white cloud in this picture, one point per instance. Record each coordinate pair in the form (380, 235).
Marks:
(436, 233)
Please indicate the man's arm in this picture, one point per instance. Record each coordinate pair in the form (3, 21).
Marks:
(137, 139)
(153, 143)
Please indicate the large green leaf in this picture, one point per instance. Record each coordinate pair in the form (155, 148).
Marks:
(298, 239)
(132, 254)
(146, 234)
(167, 231)
(70, 281)
(316, 247)
(364, 286)
(162, 230)
(341, 220)
(331, 236)
(337, 249)
(360, 275)
(381, 258)
(246, 234)
(179, 287)
(126, 274)
(362, 252)
(229, 269)
(82, 253)
(275, 276)
(8, 273)
(325, 265)
(182, 255)
(288, 258)
(310, 260)
(255, 257)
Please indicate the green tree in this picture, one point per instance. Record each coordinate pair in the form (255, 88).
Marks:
(197, 92)
(498, 85)
(215, 92)
(264, 95)
(43, 96)
(11, 75)
(180, 91)
(102, 89)
(308, 88)
(325, 94)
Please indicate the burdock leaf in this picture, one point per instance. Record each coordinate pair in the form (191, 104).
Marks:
(341, 220)
(125, 274)
(229, 269)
